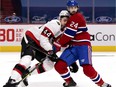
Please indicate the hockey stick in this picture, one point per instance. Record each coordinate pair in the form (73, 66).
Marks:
(38, 64)
(28, 74)
(38, 49)
(44, 52)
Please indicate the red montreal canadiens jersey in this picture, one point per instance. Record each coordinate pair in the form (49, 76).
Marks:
(76, 31)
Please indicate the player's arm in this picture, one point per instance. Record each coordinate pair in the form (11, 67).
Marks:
(82, 24)
(69, 33)
(49, 32)
(45, 37)
(73, 27)
(67, 36)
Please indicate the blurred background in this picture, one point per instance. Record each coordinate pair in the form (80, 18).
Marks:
(41, 11)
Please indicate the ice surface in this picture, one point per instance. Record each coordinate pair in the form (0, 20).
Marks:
(104, 63)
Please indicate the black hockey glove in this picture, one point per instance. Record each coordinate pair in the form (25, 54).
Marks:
(52, 56)
(73, 67)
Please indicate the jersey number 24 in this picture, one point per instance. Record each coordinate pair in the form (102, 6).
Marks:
(74, 25)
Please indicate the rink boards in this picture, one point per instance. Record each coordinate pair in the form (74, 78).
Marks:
(103, 37)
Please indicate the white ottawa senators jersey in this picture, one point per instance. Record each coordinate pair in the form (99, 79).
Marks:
(42, 35)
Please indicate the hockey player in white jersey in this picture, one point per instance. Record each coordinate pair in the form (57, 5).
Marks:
(40, 38)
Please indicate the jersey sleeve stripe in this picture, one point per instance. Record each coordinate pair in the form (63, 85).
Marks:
(57, 44)
(83, 40)
(82, 29)
(68, 35)
(71, 29)
(70, 32)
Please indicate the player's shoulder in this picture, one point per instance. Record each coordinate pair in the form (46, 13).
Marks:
(79, 15)
(54, 25)
(55, 22)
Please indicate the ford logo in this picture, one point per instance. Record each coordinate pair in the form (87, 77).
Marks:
(103, 19)
(12, 19)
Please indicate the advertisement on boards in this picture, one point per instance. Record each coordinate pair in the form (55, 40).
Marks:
(103, 37)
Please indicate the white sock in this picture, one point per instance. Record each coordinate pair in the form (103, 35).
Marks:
(16, 76)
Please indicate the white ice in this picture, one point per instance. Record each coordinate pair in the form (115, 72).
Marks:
(104, 63)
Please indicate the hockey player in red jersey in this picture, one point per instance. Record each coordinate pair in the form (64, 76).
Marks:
(78, 39)
(38, 38)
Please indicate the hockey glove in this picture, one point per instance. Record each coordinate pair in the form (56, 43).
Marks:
(52, 56)
(73, 67)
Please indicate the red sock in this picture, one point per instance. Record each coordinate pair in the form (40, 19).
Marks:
(40, 69)
(61, 68)
(92, 74)
(19, 68)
